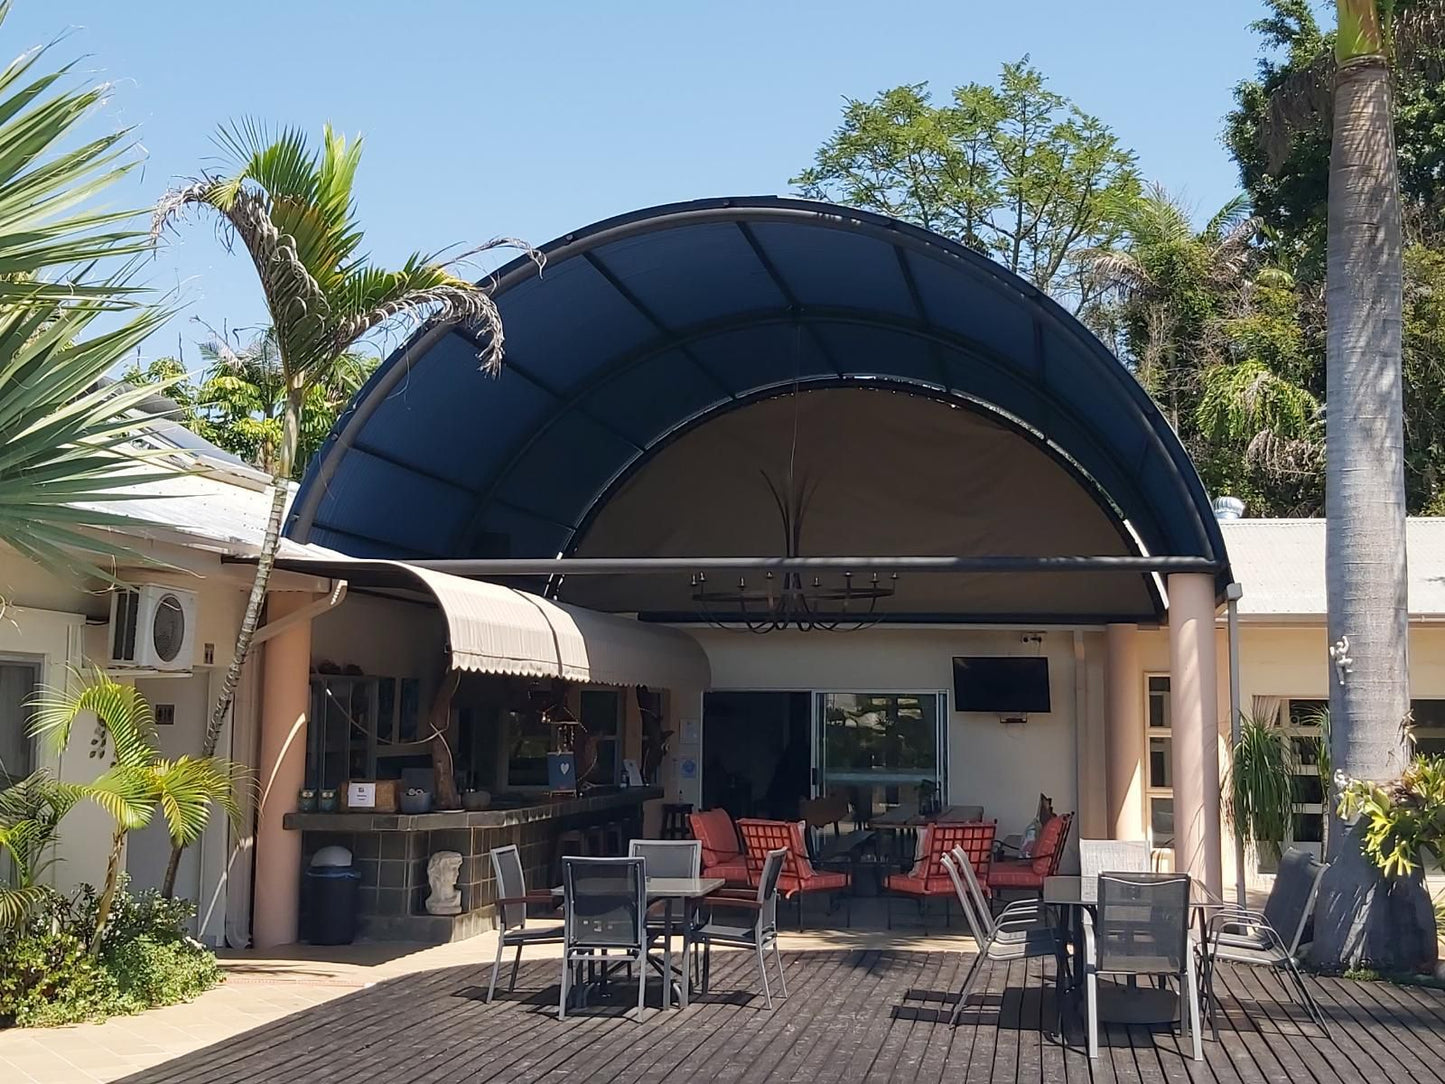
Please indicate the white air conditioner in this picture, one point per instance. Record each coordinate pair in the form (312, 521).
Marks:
(153, 628)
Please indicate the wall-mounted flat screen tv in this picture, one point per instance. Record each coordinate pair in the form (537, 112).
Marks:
(1003, 684)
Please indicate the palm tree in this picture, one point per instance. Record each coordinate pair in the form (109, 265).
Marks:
(139, 780)
(292, 209)
(1363, 920)
(30, 810)
(65, 441)
(1167, 281)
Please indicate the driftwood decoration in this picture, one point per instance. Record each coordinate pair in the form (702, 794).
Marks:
(654, 738)
(444, 779)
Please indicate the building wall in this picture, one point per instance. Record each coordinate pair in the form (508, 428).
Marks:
(385, 638)
(1003, 767)
(62, 625)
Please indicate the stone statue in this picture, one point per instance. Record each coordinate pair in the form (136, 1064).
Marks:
(441, 873)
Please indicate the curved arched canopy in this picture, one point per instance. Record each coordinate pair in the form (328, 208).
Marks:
(645, 330)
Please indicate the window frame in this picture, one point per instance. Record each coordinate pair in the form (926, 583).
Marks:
(1166, 733)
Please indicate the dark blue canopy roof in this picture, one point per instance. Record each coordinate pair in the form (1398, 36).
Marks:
(643, 326)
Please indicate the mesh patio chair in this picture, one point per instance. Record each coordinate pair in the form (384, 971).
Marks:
(512, 928)
(1001, 941)
(1270, 938)
(1098, 856)
(666, 858)
(1013, 921)
(605, 900)
(759, 935)
(1142, 929)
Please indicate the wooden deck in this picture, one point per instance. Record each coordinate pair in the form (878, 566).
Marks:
(852, 1016)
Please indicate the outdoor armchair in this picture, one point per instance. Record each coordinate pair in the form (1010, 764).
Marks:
(798, 876)
(512, 928)
(722, 850)
(1029, 873)
(927, 879)
(757, 929)
(1142, 929)
(1269, 938)
(997, 941)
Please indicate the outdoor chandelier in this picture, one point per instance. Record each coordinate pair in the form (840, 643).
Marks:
(791, 599)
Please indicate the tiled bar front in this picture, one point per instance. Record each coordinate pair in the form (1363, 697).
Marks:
(391, 853)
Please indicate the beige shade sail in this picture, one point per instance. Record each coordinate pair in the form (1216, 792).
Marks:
(494, 629)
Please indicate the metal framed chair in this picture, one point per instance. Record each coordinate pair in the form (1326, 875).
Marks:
(605, 902)
(1015, 919)
(1001, 940)
(1142, 929)
(1098, 856)
(759, 935)
(1269, 938)
(512, 928)
(667, 858)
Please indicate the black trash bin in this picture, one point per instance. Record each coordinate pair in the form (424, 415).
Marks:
(333, 901)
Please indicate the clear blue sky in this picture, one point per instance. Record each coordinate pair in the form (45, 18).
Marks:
(538, 117)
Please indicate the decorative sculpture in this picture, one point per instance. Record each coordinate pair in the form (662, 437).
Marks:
(441, 873)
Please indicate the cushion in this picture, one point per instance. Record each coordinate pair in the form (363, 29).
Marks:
(1048, 842)
(1016, 873)
(713, 828)
(910, 885)
(734, 872)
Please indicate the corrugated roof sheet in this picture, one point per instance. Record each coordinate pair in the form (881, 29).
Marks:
(1281, 565)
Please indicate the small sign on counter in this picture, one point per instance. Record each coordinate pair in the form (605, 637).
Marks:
(371, 796)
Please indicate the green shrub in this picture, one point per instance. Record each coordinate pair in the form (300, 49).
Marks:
(48, 978)
(146, 959)
(150, 972)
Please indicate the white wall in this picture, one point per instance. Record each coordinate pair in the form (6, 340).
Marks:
(1002, 767)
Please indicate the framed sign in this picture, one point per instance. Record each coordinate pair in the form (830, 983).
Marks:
(361, 795)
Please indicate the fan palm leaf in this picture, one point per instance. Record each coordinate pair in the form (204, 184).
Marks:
(139, 781)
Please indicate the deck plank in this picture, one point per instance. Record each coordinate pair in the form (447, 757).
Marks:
(851, 1014)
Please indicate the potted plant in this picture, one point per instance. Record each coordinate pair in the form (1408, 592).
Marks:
(1260, 796)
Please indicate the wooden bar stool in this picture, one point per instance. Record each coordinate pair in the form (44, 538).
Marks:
(674, 821)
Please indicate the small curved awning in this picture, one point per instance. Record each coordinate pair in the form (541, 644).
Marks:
(494, 629)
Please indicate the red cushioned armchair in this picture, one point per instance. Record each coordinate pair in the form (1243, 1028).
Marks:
(722, 853)
(1029, 873)
(928, 878)
(798, 876)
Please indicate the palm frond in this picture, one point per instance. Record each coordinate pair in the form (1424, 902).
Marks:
(123, 712)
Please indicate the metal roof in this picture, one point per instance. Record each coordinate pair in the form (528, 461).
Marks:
(644, 326)
(1280, 563)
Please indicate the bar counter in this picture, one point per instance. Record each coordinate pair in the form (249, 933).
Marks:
(391, 852)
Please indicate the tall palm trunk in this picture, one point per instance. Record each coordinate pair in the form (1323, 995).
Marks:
(251, 619)
(107, 893)
(1362, 918)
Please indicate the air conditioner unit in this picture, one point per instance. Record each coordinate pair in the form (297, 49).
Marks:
(153, 628)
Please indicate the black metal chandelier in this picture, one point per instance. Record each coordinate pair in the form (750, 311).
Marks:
(773, 601)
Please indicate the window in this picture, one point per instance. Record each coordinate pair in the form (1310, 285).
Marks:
(1159, 783)
(18, 682)
(1428, 730)
(1302, 720)
(882, 749)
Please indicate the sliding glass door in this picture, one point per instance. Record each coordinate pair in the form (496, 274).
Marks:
(880, 749)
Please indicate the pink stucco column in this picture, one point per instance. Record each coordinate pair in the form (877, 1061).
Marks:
(1194, 709)
(281, 771)
(1124, 737)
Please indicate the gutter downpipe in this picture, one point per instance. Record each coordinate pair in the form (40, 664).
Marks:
(1233, 593)
(322, 605)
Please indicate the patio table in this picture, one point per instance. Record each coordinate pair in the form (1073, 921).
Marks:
(688, 890)
(1132, 1005)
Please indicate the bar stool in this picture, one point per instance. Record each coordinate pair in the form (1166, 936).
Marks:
(573, 844)
(614, 844)
(674, 821)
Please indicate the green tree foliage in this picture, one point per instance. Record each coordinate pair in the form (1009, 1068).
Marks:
(1216, 340)
(238, 401)
(1279, 133)
(1015, 171)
